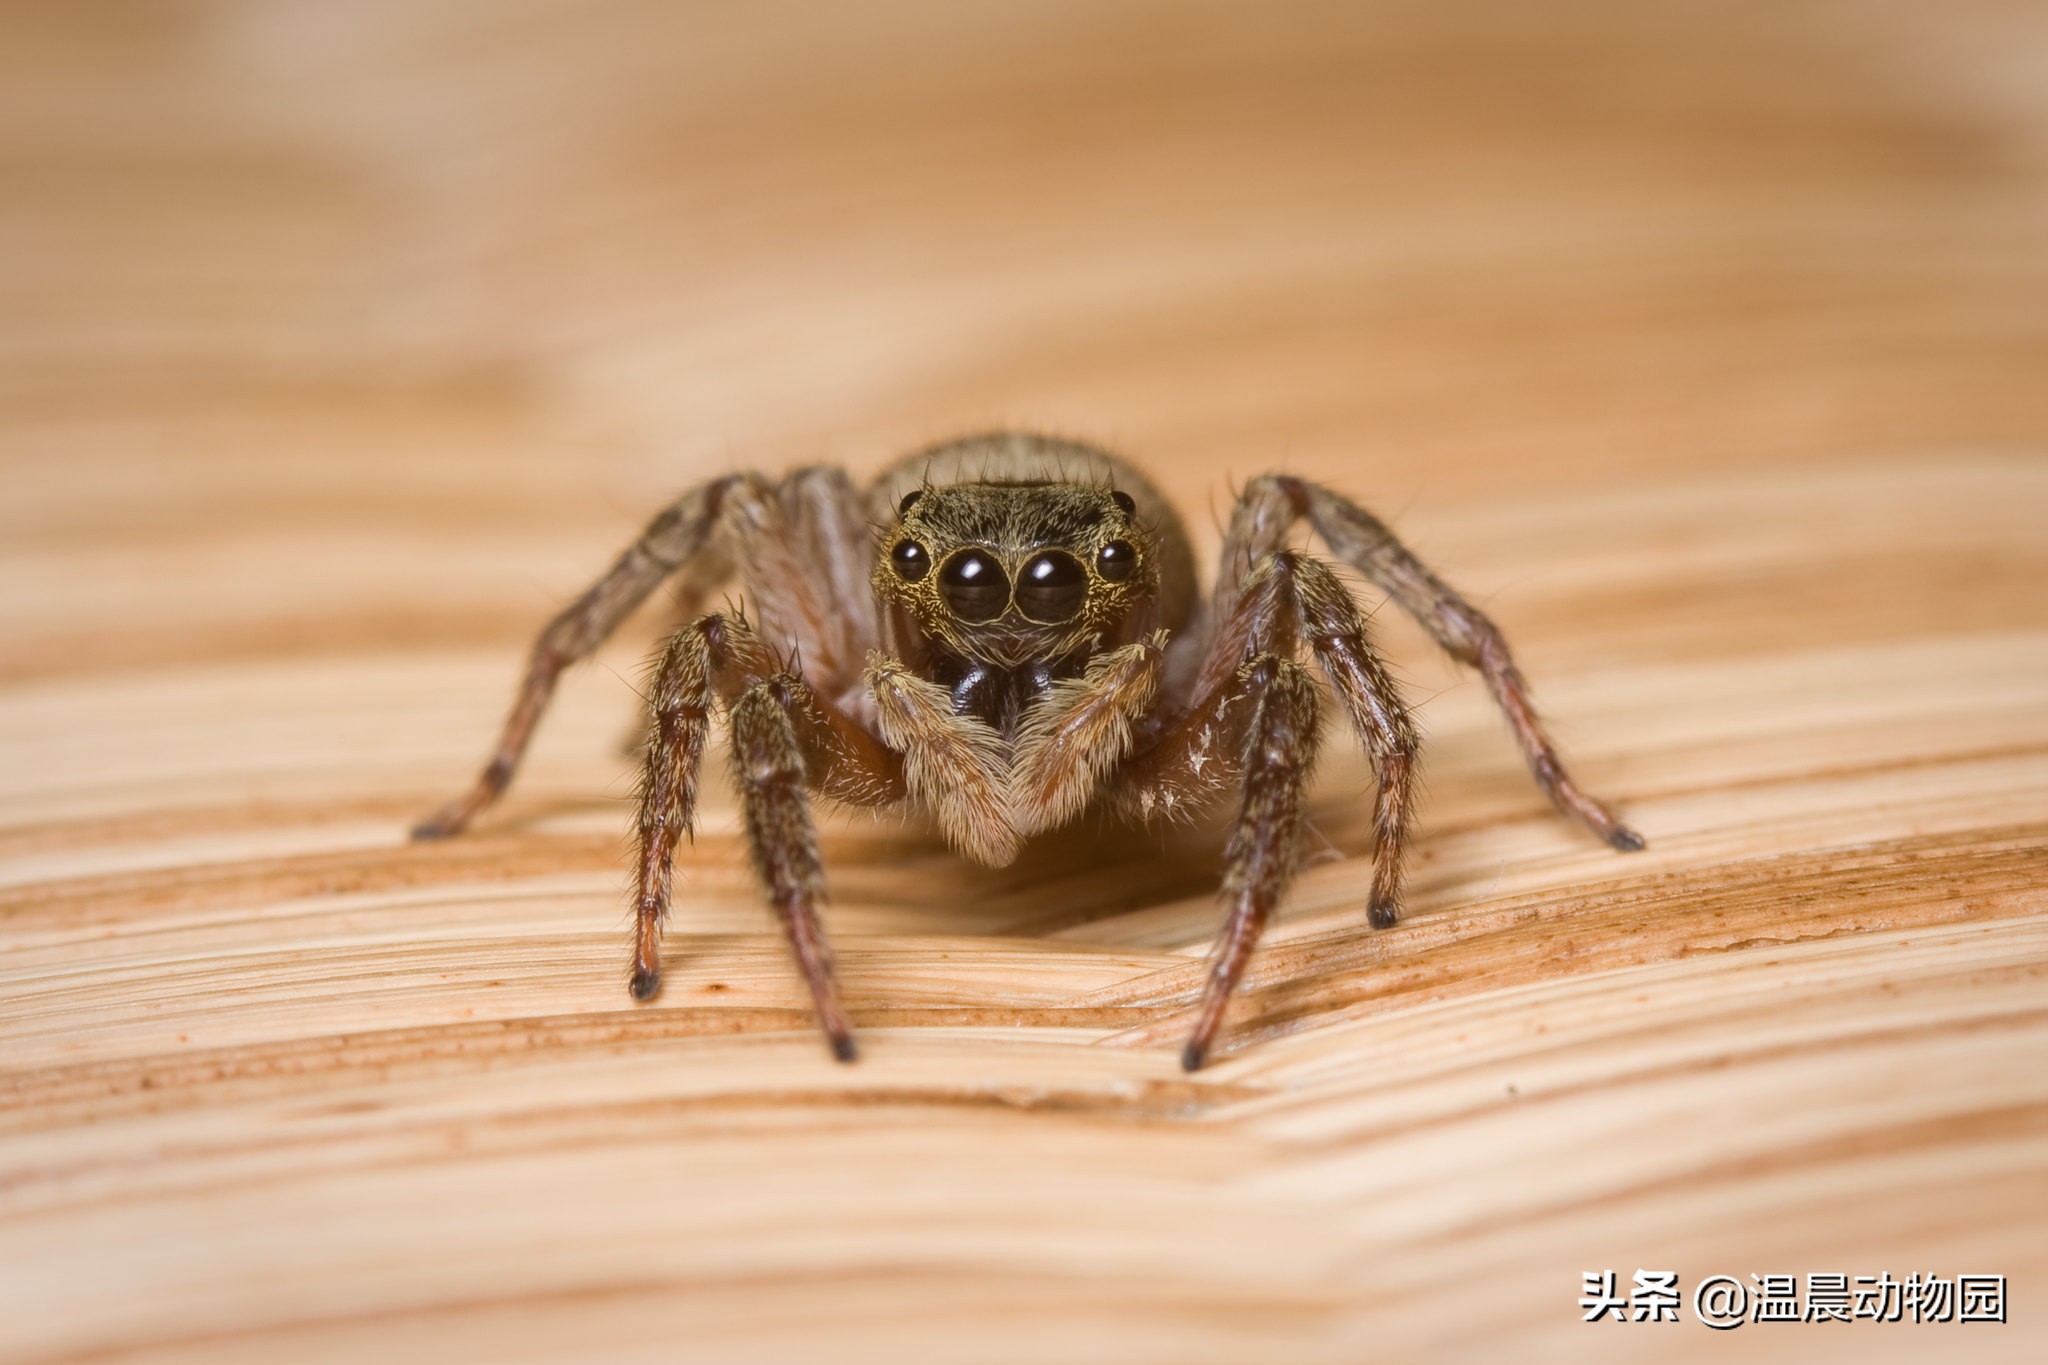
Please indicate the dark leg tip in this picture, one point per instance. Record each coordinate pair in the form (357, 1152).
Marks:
(645, 984)
(1382, 916)
(430, 829)
(1625, 840)
(1192, 1056)
(843, 1049)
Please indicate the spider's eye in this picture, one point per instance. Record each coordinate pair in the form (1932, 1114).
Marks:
(1123, 500)
(908, 498)
(910, 561)
(974, 586)
(1051, 587)
(1117, 561)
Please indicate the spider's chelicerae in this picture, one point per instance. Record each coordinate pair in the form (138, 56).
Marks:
(1024, 638)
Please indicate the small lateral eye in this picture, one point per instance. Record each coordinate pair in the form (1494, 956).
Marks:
(1052, 588)
(1123, 500)
(910, 561)
(1117, 561)
(908, 498)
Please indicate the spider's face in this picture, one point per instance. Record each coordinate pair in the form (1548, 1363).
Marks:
(1009, 573)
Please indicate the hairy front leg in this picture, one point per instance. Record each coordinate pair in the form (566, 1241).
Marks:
(1276, 754)
(769, 759)
(1273, 502)
(1189, 756)
(1287, 599)
(714, 660)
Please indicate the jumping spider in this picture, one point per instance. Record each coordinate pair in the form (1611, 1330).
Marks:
(1023, 639)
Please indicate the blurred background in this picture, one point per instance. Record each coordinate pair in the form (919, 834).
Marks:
(571, 256)
(1704, 344)
(1432, 251)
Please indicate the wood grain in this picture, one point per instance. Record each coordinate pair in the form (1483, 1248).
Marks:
(340, 344)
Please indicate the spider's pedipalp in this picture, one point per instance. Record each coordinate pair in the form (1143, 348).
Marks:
(956, 765)
(1075, 737)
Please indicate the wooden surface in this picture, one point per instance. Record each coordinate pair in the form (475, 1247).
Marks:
(340, 344)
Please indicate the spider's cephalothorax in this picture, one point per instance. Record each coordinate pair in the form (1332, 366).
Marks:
(999, 590)
(1021, 641)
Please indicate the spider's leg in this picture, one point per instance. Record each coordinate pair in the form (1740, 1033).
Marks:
(1276, 754)
(819, 604)
(1076, 735)
(1253, 719)
(719, 659)
(1189, 753)
(1248, 721)
(1360, 539)
(802, 549)
(680, 701)
(1336, 632)
(683, 535)
(769, 759)
(689, 590)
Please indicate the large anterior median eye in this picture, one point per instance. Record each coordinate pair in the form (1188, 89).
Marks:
(1051, 588)
(974, 586)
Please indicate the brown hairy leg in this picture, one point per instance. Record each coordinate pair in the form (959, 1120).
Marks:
(1329, 620)
(799, 547)
(1289, 597)
(817, 602)
(680, 536)
(1253, 718)
(1277, 752)
(770, 761)
(784, 737)
(1270, 506)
